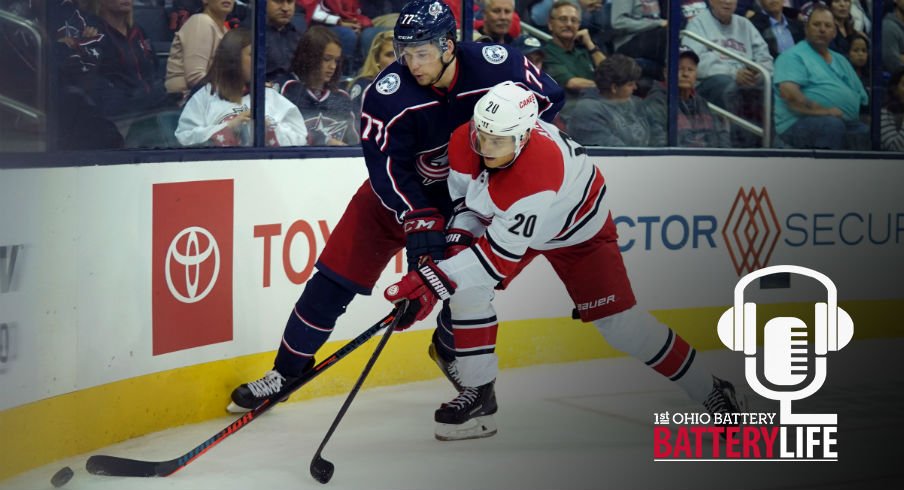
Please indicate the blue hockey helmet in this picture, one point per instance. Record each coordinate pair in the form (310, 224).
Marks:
(421, 22)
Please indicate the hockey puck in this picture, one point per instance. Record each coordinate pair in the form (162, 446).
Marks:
(62, 477)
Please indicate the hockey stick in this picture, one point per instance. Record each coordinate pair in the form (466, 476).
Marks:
(116, 466)
(321, 469)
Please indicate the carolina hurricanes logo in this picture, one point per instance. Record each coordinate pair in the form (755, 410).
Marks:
(433, 165)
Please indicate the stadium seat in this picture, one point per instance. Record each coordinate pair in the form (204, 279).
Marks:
(156, 27)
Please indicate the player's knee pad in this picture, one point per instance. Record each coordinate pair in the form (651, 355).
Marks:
(472, 303)
(311, 322)
(323, 301)
(634, 332)
(474, 322)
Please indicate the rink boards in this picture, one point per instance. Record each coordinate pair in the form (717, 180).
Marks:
(134, 297)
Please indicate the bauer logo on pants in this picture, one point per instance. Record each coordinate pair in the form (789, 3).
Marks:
(192, 264)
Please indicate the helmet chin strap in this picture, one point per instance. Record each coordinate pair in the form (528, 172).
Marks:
(445, 67)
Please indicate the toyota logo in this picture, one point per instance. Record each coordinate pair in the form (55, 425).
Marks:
(189, 254)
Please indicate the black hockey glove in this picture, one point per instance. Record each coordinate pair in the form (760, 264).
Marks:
(424, 230)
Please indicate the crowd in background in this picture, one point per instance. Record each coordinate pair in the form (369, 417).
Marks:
(163, 73)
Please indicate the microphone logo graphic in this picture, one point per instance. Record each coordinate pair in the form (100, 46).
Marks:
(786, 364)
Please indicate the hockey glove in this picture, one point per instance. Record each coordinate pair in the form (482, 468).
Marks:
(424, 231)
(457, 240)
(422, 288)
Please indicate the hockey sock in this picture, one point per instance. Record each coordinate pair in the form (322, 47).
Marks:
(442, 336)
(640, 335)
(310, 323)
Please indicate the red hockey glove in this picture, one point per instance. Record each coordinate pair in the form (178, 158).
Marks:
(424, 230)
(422, 287)
(457, 240)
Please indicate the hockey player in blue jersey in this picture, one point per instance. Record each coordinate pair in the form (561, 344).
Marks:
(408, 115)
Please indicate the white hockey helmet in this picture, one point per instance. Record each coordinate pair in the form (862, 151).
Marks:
(503, 119)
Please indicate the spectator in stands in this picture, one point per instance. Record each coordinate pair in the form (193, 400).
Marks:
(75, 58)
(893, 38)
(594, 18)
(507, 23)
(724, 81)
(892, 120)
(571, 56)
(219, 113)
(692, 8)
(643, 33)
(860, 13)
(613, 116)
(696, 126)
(282, 38)
(844, 24)
(195, 44)
(531, 48)
(747, 8)
(328, 111)
(779, 25)
(497, 20)
(818, 93)
(128, 82)
(858, 55)
(180, 11)
(344, 17)
(380, 55)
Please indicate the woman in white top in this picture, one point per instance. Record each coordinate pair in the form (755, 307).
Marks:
(194, 45)
(219, 113)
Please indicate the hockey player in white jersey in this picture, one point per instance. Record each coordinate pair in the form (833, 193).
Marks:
(521, 188)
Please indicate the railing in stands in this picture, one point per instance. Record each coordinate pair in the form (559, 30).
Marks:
(37, 112)
(766, 130)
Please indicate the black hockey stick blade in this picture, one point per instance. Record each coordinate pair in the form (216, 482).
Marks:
(321, 469)
(116, 466)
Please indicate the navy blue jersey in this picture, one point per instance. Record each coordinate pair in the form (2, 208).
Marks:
(328, 114)
(405, 128)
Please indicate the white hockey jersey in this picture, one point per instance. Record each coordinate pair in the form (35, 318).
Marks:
(551, 197)
(204, 117)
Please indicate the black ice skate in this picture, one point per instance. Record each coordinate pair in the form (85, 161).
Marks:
(249, 396)
(723, 400)
(450, 369)
(469, 415)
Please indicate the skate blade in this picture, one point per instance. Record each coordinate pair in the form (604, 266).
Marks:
(233, 408)
(476, 428)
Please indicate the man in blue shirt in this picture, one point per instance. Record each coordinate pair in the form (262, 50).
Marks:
(818, 94)
(780, 26)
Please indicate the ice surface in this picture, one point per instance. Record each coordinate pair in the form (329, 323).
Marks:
(563, 426)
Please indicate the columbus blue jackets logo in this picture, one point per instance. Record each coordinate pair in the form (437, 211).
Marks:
(388, 84)
(495, 54)
(435, 9)
(355, 92)
(433, 164)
